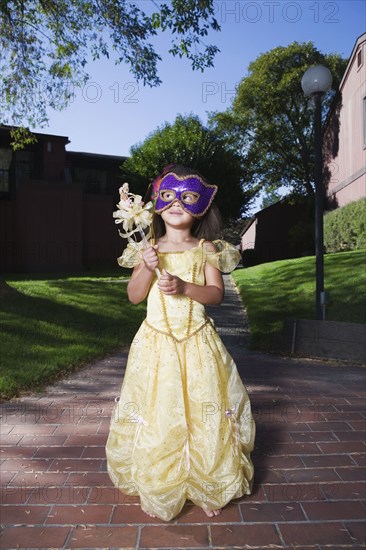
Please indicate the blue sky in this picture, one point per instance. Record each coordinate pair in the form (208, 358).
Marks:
(114, 112)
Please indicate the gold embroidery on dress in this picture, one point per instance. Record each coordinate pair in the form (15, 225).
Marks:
(190, 311)
(174, 337)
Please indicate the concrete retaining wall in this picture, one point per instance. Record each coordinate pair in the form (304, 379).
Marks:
(328, 339)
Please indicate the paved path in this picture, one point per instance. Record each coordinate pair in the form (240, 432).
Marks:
(310, 451)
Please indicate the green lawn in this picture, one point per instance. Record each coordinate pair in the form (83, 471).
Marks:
(53, 324)
(285, 289)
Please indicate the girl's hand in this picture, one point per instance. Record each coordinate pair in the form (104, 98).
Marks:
(170, 284)
(150, 257)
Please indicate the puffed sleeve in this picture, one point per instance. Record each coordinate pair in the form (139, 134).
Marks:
(132, 255)
(225, 258)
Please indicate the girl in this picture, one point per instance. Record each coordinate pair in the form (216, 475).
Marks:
(182, 428)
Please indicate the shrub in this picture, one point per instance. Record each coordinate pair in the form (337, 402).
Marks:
(345, 228)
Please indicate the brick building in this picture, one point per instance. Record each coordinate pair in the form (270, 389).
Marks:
(345, 133)
(56, 206)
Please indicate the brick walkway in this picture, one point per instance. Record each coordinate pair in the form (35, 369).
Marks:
(309, 459)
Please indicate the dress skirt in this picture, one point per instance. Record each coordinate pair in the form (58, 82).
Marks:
(182, 427)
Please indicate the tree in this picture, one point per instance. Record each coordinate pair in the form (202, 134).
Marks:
(271, 197)
(233, 228)
(270, 122)
(45, 46)
(188, 142)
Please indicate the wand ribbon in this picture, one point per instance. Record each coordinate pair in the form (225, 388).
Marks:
(135, 216)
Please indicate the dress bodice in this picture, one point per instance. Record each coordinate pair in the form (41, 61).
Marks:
(176, 315)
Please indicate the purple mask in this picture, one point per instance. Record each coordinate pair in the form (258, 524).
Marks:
(194, 195)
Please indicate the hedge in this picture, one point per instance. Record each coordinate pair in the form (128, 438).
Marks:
(345, 227)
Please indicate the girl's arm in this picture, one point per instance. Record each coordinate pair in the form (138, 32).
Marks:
(210, 294)
(142, 275)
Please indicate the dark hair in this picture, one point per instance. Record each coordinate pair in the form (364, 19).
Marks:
(208, 227)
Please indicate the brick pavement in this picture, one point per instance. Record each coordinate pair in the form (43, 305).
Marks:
(309, 487)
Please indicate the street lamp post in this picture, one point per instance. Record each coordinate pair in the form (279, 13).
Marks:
(315, 82)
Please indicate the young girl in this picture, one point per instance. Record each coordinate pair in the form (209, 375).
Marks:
(182, 428)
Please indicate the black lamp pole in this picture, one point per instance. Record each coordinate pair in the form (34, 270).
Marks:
(319, 207)
(315, 82)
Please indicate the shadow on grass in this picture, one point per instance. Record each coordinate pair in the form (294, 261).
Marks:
(45, 337)
(114, 272)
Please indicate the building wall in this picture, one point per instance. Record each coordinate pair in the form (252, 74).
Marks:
(352, 192)
(7, 236)
(50, 221)
(53, 226)
(102, 243)
(347, 165)
(49, 227)
(54, 158)
(280, 231)
(248, 239)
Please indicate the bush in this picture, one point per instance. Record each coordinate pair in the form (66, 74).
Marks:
(345, 228)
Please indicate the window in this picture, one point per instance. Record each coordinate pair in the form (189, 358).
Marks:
(5, 161)
(359, 58)
(94, 180)
(24, 165)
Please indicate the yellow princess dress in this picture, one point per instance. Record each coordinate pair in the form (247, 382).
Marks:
(182, 427)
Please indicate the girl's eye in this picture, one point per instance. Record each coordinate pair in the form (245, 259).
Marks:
(167, 196)
(190, 198)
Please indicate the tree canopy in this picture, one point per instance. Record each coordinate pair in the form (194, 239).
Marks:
(270, 122)
(187, 141)
(46, 45)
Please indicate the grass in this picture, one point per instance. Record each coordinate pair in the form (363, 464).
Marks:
(285, 289)
(52, 324)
